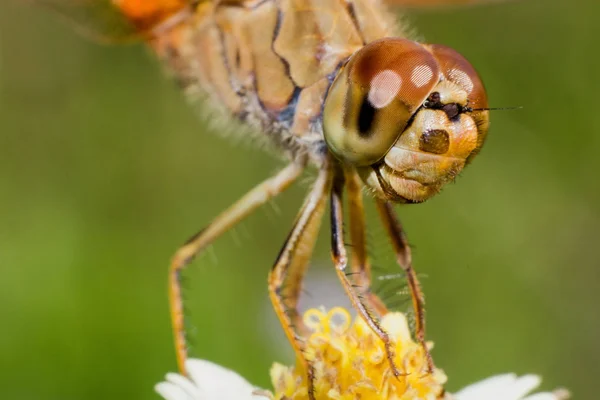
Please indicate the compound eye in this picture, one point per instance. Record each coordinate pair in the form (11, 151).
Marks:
(456, 69)
(374, 96)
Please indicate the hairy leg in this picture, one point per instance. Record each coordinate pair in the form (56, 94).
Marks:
(360, 265)
(285, 279)
(256, 197)
(404, 259)
(362, 304)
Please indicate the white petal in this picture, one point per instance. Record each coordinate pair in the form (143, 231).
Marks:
(558, 394)
(218, 383)
(486, 387)
(170, 391)
(191, 390)
(504, 387)
(207, 381)
(521, 386)
(542, 396)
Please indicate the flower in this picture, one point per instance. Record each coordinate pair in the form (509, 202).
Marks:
(349, 362)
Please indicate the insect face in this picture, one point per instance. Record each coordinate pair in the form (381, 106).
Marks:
(408, 116)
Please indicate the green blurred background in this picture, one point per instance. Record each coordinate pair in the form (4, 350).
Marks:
(105, 170)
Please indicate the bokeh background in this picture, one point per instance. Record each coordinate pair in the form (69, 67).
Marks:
(105, 170)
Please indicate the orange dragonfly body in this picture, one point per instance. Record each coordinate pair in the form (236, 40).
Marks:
(336, 84)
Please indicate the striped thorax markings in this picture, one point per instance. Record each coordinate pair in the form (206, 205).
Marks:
(270, 62)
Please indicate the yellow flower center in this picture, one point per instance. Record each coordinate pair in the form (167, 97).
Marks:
(350, 362)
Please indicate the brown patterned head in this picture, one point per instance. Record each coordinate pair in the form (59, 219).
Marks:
(407, 116)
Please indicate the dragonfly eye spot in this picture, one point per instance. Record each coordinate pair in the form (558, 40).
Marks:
(366, 116)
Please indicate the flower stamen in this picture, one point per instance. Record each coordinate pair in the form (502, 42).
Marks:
(350, 362)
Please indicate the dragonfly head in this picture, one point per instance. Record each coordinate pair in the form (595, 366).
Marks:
(408, 116)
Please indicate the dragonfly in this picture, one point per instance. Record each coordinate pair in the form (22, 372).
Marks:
(337, 85)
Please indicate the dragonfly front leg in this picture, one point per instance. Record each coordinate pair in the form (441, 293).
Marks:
(404, 259)
(285, 278)
(258, 196)
(364, 305)
(359, 263)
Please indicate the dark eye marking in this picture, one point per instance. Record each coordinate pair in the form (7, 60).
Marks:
(366, 116)
(436, 141)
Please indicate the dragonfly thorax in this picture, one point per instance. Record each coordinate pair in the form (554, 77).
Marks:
(271, 63)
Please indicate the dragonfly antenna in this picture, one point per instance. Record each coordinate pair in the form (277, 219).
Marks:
(497, 108)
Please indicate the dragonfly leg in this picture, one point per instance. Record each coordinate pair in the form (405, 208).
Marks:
(359, 262)
(285, 278)
(404, 258)
(362, 304)
(256, 197)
